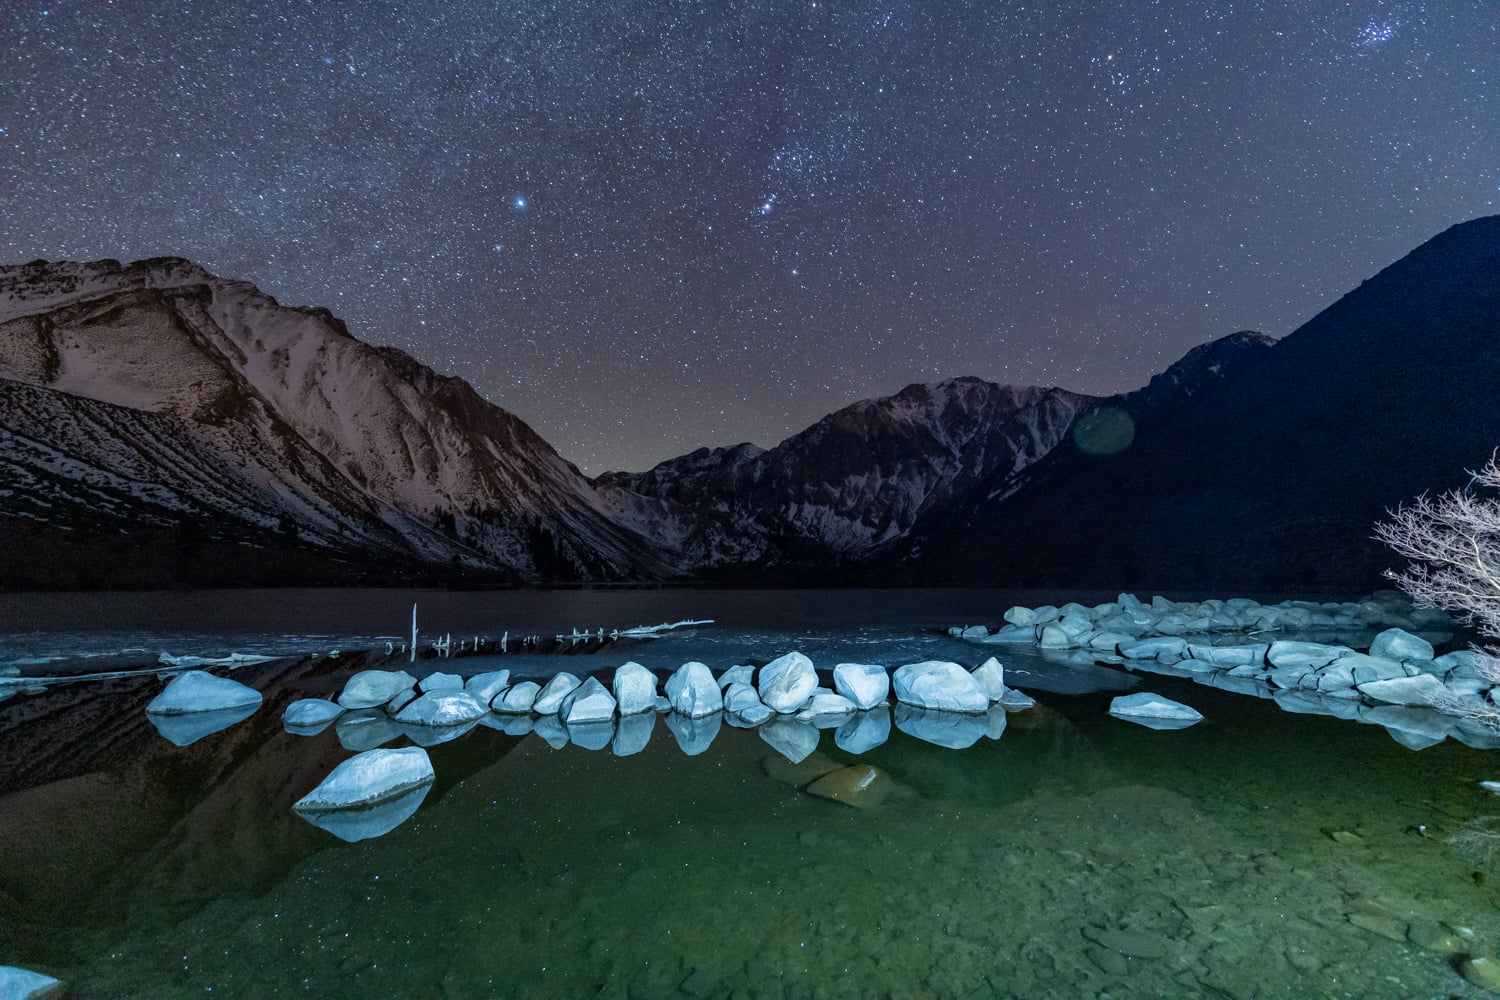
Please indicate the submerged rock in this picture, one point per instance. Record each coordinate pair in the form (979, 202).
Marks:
(550, 698)
(939, 685)
(443, 707)
(634, 689)
(864, 684)
(518, 698)
(373, 688)
(862, 786)
(798, 774)
(199, 691)
(23, 984)
(369, 778)
(787, 682)
(693, 692)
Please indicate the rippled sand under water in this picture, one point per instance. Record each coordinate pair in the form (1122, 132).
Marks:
(1078, 856)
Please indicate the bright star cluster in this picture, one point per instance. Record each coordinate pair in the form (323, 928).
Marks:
(646, 226)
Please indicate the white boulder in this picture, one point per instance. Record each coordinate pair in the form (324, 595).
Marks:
(444, 707)
(936, 684)
(787, 682)
(693, 692)
(588, 702)
(485, 686)
(1146, 705)
(440, 682)
(550, 698)
(311, 712)
(518, 698)
(991, 677)
(1421, 689)
(864, 684)
(199, 691)
(369, 778)
(634, 689)
(824, 704)
(738, 674)
(741, 701)
(373, 688)
(1399, 644)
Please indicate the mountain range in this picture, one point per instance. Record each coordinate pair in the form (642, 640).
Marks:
(161, 425)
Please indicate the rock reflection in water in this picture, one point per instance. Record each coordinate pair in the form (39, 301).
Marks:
(792, 739)
(363, 823)
(694, 735)
(864, 731)
(632, 733)
(955, 730)
(365, 729)
(190, 727)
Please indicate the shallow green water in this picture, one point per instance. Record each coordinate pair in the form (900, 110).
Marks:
(1077, 856)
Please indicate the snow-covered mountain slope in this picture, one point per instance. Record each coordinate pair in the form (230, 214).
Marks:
(182, 397)
(1273, 474)
(859, 478)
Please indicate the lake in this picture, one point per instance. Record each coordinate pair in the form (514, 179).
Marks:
(1261, 853)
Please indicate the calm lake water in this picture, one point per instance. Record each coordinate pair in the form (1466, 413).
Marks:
(1259, 854)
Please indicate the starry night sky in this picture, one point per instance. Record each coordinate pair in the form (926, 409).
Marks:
(649, 226)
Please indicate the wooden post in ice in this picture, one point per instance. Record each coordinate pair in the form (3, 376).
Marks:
(413, 634)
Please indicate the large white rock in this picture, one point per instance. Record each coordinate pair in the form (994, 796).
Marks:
(23, 984)
(826, 704)
(1146, 705)
(1422, 689)
(787, 682)
(518, 698)
(551, 696)
(444, 707)
(1372, 668)
(440, 682)
(311, 712)
(369, 778)
(1290, 653)
(1399, 644)
(738, 674)
(935, 684)
(693, 691)
(588, 702)
(199, 691)
(864, 684)
(373, 688)
(991, 677)
(1153, 649)
(634, 689)
(485, 686)
(741, 701)
(1229, 656)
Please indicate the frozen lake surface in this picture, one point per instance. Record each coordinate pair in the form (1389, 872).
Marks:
(1260, 853)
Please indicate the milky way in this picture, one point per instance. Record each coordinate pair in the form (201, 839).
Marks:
(646, 227)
